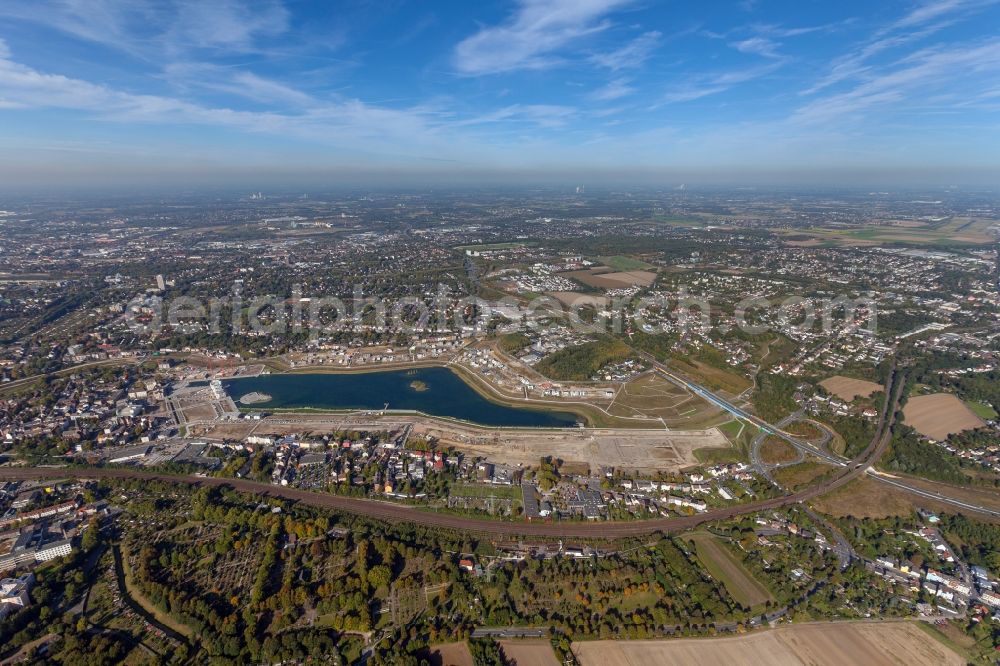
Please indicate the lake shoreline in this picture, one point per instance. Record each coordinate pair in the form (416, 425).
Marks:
(436, 390)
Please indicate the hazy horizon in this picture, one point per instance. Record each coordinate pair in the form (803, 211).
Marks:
(115, 94)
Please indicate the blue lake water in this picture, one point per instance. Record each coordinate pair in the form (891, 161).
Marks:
(436, 391)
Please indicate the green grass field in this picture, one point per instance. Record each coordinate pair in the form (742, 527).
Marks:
(732, 429)
(725, 568)
(621, 263)
(982, 410)
(484, 490)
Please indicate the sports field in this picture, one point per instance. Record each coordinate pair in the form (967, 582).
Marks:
(828, 644)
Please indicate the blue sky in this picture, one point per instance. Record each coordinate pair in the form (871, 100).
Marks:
(170, 87)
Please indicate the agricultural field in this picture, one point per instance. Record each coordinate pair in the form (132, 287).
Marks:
(746, 590)
(939, 415)
(529, 653)
(449, 654)
(848, 388)
(614, 280)
(957, 230)
(828, 644)
(620, 263)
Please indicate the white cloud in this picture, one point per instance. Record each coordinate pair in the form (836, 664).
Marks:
(530, 38)
(705, 85)
(4, 50)
(633, 54)
(541, 115)
(349, 123)
(226, 24)
(152, 28)
(241, 83)
(915, 76)
(928, 11)
(761, 46)
(926, 19)
(613, 90)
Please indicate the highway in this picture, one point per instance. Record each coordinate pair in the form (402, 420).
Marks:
(977, 508)
(738, 412)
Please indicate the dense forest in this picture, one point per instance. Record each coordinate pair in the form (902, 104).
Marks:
(581, 362)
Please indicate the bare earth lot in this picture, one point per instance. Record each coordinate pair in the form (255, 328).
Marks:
(529, 653)
(625, 448)
(940, 415)
(872, 644)
(848, 389)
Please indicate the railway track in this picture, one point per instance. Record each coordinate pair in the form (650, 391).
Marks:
(391, 512)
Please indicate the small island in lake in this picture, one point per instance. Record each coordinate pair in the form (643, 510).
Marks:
(418, 386)
(254, 398)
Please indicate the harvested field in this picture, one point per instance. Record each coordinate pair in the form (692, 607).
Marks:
(726, 569)
(448, 654)
(529, 653)
(833, 644)
(594, 278)
(939, 415)
(848, 388)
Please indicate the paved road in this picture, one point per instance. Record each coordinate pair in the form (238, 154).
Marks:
(739, 412)
(130, 360)
(902, 485)
(758, 464)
